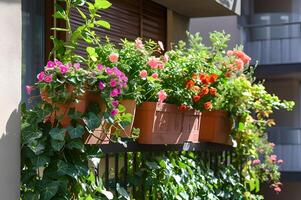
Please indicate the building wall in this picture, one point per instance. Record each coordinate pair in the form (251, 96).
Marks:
(290, 190)
(286, 88)
(206, 25)
(10, 87)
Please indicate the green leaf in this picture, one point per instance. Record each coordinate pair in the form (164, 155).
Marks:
(107, 194)
(49, 191)
(75, 132)
(92, 54)
(76, 144)
(58, 134)
(122, 192)
(81, 13)
(103, 23)
(62, 167)
(40, 161)
(102, 4)
(37, 147)
(57, 145)
(74, 114)
(92, 121)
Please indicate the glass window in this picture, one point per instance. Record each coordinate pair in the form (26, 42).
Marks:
(32, 41)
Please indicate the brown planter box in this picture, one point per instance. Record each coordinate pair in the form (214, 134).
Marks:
(130, 107)
(216, 127)
(98, 136)
(165, 124)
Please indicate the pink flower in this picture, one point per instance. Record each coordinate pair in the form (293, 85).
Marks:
(101, 85)
(239, 64)
(113, 83)
(256, 162)
(50, 64)
(272, 144)
(166, 58)
(109, 70)
(114, 93)
(153, 62)
(100, 67)
(280, 162)
(155, 75)
(113, 57)
(57, 62)
(115, 103)
(162, 96)
(138, 43)
(63, 69)
(41, 76)
(161, 65)
(114, 112)
(48, 79)
(161, 45)
(29, 89)
(230, 53)
(76, 65)
(143, 74)
(273, 158)
(277, 189)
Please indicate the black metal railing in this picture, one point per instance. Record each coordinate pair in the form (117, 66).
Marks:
(118, 164)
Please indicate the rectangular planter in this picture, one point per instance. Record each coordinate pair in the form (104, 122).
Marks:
(216, 127)
(162, 123)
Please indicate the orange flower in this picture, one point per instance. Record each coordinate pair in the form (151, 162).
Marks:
(208, 105)
(194, 76)
(205, 90)
(213, 78)
(228, 74)
(182, 107)
(204, 78)
(190, 84)
(213, 91)
(196, 98)
(196, 89)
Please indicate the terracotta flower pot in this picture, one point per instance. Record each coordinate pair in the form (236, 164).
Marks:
(98, 136)
(130, 107)
(63, 109)
(165, 124)
(216, 127)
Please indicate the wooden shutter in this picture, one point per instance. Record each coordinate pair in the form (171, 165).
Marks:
(129, 19)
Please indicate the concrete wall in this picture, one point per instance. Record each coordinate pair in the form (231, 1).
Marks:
(10, 86)
(206, 25)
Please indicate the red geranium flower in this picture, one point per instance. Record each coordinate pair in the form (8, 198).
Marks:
(208, 105)
(213, 91)
(196, 98)
(190, 84)
(182, 107)
(213, 78)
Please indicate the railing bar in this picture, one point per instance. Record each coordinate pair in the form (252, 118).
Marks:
(134, 171)
(107, 170)
(116, 168)
(125, 169)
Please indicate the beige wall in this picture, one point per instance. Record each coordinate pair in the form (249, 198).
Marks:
(206, 25)
(10, 86)
(286, 88)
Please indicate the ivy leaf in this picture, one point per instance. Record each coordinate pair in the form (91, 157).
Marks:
(74, 114)
(75, 132)
(40, 161)
(37, 147)
(49, 191)
(92, 121)
(122, 192)
(102, 4)
(103, 23)
(107, 194)
(62, 167)
(30, 195)
(58, 134)
(57, 145)
(75, 144)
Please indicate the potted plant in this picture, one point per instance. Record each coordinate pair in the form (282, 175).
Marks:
(62, 85)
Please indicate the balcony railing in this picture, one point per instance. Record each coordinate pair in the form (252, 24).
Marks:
(288, 147)
(118, 163)
(275, 43)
